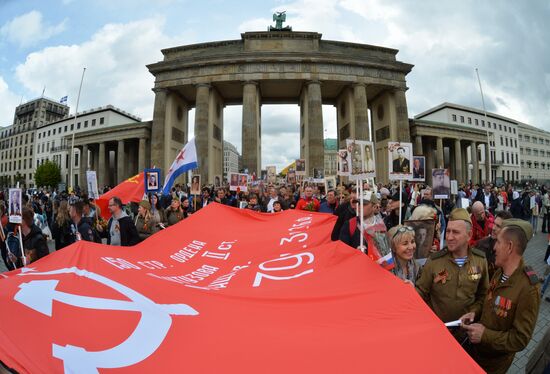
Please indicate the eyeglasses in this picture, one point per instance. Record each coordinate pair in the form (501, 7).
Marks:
(402, 230)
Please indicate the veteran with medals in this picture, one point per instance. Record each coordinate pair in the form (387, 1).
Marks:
(454, 281)
(511, 306)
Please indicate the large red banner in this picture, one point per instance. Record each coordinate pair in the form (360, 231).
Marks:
(224, 291)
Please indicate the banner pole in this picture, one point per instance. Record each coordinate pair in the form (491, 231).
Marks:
(361, 220)
(400, 199)
(22, 249)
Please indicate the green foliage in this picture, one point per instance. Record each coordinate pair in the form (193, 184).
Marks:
(47, 175)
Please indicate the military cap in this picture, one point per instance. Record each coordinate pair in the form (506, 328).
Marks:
(524, 225)
(460, 214)
(145, 204)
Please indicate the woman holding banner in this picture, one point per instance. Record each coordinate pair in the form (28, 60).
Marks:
(403, 246)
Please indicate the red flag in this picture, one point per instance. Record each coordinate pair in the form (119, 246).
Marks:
(224, 291)
(131, 190)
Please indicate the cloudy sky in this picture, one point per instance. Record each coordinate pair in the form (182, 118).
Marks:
(46, 43)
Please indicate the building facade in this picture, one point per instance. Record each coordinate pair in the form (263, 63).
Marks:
(53, 140)
(17, 140)
(534, 151)
(331, 156)
(501, 132)
(230, 159)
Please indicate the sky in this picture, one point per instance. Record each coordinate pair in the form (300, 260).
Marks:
(47, 43)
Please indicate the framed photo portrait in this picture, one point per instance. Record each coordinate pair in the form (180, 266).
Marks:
(15, 207)
(419, 169)
(424, 231)
(400, 156)
(441, 183)
(301, 166)
(343, 163)
(361, 159)
(152, 180)
(195, 185)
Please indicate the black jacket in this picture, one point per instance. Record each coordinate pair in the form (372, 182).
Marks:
(128, 233)
(62, 234)
(35, 243)
(344, 212)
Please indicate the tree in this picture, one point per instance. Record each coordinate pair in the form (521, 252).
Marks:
(47, 175)
(19, 178)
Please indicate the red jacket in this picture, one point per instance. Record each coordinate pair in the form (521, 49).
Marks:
(477, 231)
(305, 204)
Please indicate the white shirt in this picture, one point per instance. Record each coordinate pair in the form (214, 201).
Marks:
(270, 204)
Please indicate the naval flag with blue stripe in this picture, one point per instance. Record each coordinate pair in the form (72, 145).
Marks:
(63, 100)
(185, 161)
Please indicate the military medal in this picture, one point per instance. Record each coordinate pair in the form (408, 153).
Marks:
(474, 273)
(441, 276)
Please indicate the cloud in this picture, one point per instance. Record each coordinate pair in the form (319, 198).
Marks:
(8, 102)
(115, 59)
(29, 29)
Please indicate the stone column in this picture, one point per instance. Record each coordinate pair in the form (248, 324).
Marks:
(440, 160)
(251, 136)
(428, 151)
(401, 116)
(101, 167)
(202, 135)
(458, 161)
(121, 167)
(141, 154)
(418, 145)
(487, 164)
(360, 106)
(83, 167)
(158, 131)
(475, 163)
(314, 133)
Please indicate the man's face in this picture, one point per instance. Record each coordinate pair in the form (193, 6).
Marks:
(487, 190)
(221, 194)
(113, 208)
(368, 210)
(428, 194)
(416, 163)
(400, 153)
(422, 233)
(376, 209)
(503, 248)
(479, 212)
(331, 197)
(457, 235)
(273, 192)
(308, 192)
(438, 179)
(497, 226)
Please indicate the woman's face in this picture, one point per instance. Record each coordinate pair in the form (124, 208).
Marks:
(141, 210)
(175, 204)
(405, 246)
(154, 199)
(185, 204)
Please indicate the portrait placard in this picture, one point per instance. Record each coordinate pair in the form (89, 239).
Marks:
(15, 205)
(91, 182)
(291, 176)
(343, 163)
(301, 166)
(360, 157)
(330, 183)
(152, 178)
(441, 183)
(419, 169)
(195, 185)
(271, 174)
(399, 157)
(217, 181)
(424, 231)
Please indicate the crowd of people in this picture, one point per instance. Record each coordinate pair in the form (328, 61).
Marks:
(473, 269)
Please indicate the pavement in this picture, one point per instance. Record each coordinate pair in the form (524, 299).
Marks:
(534, 256)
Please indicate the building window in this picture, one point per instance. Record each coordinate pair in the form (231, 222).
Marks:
(517, 159)
(506, 141)
(477, 122)
(469, 120)
(515, 143)
(454, 118)
(85, 124)
(501, 140)
(65, 129)
(93, 122)
(78, 126)
(102, 120)
(461, 119)
(500, 127)
(483, 123)
(72, 126)
(514, 130)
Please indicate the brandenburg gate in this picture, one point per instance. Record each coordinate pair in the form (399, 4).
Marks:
(273, 67)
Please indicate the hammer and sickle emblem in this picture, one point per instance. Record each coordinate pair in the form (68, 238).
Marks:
(148, 335)
(133, 179)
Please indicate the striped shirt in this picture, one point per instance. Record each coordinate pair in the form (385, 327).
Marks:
(460, 261)
(504, 278)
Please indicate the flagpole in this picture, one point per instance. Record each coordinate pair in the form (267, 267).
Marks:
(489, 177)
(74, 130)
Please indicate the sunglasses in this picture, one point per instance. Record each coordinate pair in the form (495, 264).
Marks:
(403, 229)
